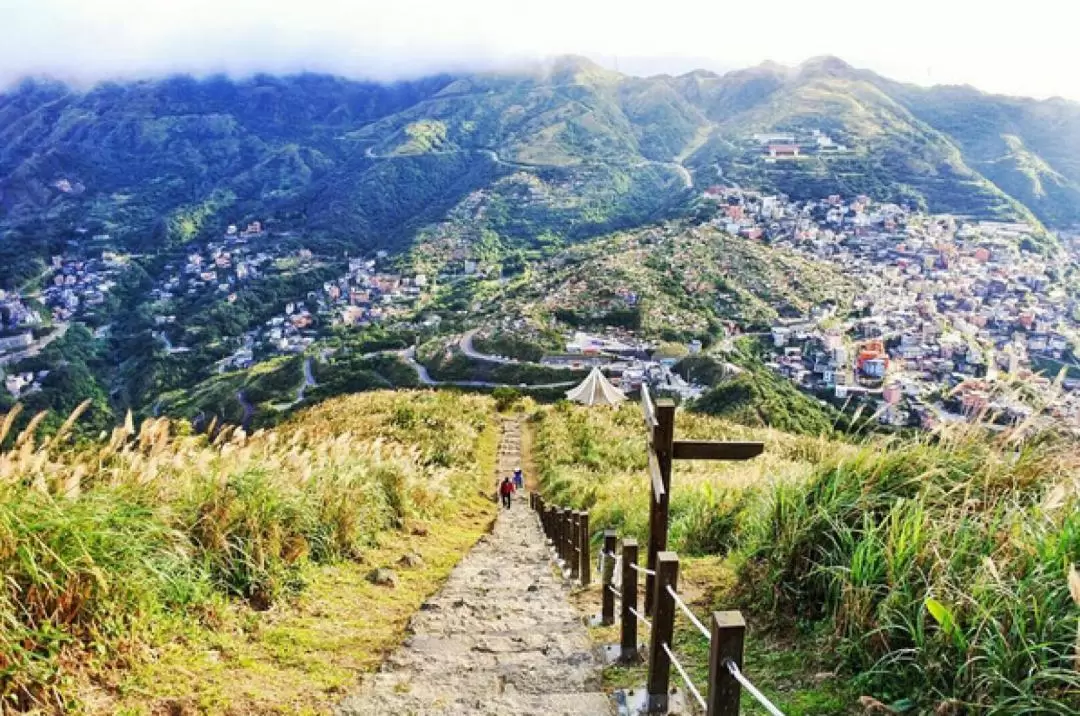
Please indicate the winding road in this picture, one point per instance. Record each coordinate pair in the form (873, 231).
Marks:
(409, 354)
(249, 409)
(309, 381)
(466, 344)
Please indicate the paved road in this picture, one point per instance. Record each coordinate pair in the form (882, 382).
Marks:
(688, 180)
(409, 355)
(34, 349)
(466, 344)
(309, 380)
(501, 638)
(249, 409)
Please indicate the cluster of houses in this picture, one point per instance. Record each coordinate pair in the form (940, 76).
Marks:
(17, 321)
(80, 285)
(219, 266)
(362, 297)
(365, 295)
(951, 312)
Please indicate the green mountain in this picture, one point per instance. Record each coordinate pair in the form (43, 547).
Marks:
(157, 163)
(949, 149)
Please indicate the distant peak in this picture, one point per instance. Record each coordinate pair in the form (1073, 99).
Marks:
(579, 62)
(825, 65)
(772, 66)
(576, 68)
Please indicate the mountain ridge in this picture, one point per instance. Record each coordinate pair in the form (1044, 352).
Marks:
(370, 163)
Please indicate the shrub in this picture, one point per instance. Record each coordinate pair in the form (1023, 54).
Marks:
(505, 397)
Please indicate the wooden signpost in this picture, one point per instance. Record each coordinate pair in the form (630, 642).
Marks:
(663, 449)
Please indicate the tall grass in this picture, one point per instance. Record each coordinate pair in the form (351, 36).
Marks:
(100, 543)
(940, 566)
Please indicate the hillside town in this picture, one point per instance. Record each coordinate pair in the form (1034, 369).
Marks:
(71, 289)
(954, 321)
(370, 292)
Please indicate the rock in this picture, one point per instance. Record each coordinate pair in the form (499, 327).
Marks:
(532, 588)
(383, 577)
(411, 559)
(419, 530)
(824, 676)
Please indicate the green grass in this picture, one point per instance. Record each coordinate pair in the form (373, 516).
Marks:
(941, 569)
(110, 550)
(930, 574)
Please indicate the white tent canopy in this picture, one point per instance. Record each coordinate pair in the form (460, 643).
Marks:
(596, 390)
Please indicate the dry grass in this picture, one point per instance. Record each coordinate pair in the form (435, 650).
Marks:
(111, 548)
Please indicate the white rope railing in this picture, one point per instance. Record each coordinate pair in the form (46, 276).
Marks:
(689, 614)
(644, 570)
(614, 591)
(686, 678)
(733, 669)
(603, 557)
(641, 619)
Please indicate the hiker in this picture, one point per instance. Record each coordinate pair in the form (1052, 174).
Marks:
(506, 488)
(519, 480)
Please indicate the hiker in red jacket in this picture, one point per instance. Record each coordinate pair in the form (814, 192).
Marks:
(506, 488)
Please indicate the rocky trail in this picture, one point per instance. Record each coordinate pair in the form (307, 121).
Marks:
(501, 637)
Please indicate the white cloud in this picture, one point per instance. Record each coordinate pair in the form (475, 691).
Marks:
(1020, 49)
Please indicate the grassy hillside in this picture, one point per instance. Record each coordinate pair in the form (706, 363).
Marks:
(757, 396)
(112, 550)
(1027, 148)
(933, 576)
(673, 281)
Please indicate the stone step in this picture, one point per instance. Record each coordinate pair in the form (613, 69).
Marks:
(499, 639)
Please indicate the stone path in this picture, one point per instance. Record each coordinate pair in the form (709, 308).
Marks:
(500, 639)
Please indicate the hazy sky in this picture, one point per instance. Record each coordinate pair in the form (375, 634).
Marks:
(1014, 47)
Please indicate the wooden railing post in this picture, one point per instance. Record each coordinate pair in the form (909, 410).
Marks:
(574, 554)
(663, 440)
(628, 651)
(557, 537)
(663, 628)
(607, 575)
(564, 534)
(728, 632)
(549, 511)
(585, 558)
